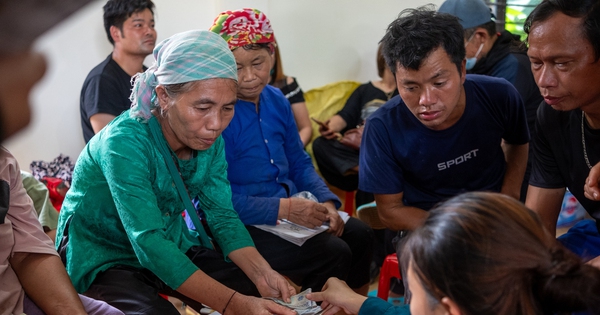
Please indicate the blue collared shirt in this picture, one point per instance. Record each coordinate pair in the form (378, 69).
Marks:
(266, 159)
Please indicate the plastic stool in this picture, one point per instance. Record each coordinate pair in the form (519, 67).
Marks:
(389, 270)
(349, 203)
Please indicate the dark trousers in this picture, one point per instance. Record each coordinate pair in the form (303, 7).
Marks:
(347, 257)
(334, 161)
(136, 291)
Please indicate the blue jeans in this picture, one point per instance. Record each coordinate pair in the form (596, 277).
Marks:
(583, 239)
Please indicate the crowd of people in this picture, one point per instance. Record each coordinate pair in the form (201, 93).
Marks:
(469, 141)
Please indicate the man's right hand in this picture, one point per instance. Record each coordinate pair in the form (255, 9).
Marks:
(306, 212)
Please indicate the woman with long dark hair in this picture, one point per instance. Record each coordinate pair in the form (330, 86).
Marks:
(482, 253)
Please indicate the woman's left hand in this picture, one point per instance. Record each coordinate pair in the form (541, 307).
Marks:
(268, 281)
(272, 284)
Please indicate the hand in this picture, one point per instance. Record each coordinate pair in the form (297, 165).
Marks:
(272, 284)
(337, 295)
(591, 189)
(594, 262)
(306, 212)
(326, 132)
(336, 224)
(243, 304)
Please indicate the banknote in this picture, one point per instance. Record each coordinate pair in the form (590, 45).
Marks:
(300, 303)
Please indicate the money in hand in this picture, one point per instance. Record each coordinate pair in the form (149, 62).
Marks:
(300, 303)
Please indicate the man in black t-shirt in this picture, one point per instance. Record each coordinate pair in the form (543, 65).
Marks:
(105, 93)
(564, 51)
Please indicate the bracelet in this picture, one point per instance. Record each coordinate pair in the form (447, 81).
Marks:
(289, 208)
(231, 297)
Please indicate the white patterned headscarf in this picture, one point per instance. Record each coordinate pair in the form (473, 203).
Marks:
(185, 57)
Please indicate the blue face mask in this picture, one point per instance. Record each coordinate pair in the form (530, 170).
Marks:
(471, 63)
(473, 60)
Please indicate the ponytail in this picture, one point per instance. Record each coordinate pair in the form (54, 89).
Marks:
(565, 284)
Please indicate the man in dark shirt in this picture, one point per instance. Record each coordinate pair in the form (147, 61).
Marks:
(446, 133)
(564, 51)
(497, 54)
(105, 93)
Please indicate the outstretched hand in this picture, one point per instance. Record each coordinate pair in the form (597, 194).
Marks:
(595, 262)
(336, 296)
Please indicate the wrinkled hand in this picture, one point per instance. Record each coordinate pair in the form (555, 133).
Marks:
(272, 284)
(591, 189)
(307, 213)
(337, 295)
(336, 224)
(243, 304)
(594, 262)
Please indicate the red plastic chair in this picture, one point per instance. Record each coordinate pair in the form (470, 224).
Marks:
(349, 202)
(389, 270)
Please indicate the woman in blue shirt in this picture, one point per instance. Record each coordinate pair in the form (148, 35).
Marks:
(267, 166)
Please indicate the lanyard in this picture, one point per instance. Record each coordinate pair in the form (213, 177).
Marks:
(185, 197)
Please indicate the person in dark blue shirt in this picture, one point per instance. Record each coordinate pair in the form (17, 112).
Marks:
(446, 133)
(267, 166)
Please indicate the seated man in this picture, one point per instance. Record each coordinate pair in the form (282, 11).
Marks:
(267, 166)
(497, 54)
(34, 280)
(105, 93)
(339, 163)
(564, 51)
(447, 132)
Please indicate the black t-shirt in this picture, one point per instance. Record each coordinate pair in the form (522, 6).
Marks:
(558, 154)
(105, 90)
(365, 94)
(291, 91)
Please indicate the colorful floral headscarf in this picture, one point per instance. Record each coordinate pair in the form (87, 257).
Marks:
(243, 27)
(184, 57)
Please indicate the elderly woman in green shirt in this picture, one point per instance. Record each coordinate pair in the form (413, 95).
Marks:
(121, 228)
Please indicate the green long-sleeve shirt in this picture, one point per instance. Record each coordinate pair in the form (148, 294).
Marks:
(125, 210)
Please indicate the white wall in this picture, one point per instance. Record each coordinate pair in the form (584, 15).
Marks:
(321, 41)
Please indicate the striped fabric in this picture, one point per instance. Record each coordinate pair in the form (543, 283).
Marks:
(189, 56)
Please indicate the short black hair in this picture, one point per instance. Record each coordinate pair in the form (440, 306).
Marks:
(416, 33)
(587, 10)
(117, 11)
(380, 62)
